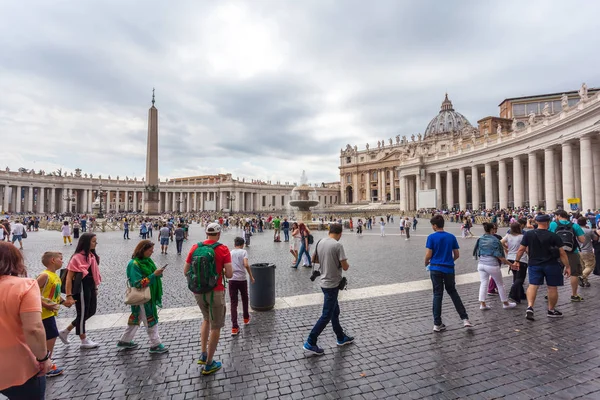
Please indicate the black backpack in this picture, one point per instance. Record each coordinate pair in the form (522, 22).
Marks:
(567, 235)
(311, 239)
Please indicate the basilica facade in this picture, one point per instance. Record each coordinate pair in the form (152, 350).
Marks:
(541, 151)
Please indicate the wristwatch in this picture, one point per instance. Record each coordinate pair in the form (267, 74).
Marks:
(43, 359)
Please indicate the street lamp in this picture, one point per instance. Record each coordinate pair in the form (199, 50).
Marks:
(100, 193)
(69, 198)
(231, 199)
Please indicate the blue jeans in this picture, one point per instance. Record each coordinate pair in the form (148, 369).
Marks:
(441, 280)
(33, 389)
(331, 312)
(302, 251)
(286, 234)
(126, 233)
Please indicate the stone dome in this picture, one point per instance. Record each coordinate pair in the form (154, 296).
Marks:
(447, 120)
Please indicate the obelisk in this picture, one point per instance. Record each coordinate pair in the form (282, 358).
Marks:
(151, 192)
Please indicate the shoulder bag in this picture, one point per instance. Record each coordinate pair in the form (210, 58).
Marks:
(135, 296)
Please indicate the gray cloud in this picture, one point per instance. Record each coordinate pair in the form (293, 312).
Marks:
(266, 89)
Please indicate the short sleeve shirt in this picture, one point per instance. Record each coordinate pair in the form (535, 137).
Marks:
(237, 263)
(576, 228)
(442, 244)
(17, 362)
(165, 232)
(538, 242)
(331, 253)
(222, 257)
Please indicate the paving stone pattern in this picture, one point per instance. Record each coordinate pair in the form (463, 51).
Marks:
(374, 260)
(395, 355)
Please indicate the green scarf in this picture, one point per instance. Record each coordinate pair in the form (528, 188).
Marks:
(148, 267)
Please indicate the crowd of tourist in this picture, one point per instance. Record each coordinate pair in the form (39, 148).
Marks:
(543, 247)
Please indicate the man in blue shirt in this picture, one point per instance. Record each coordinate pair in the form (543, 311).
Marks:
(285, 226)
(442, 251)
(573, 256)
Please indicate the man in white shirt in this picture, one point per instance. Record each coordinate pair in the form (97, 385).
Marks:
(17, 231)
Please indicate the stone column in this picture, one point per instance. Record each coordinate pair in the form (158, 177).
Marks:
(403, 194)
(489, 189)
(392, 184)
(449, 190)
(557, 176)
(462, 189)
(438, 189)
(53, 200)
(588, 193)
(534, 199)
(567, 173)
(383, 185)
(29, 199)
(41, 204)
(174, 201)
(518, 181)
(188, 201)
(550, 188)
(6, 198)
(18, 201)
(502, 184)
(117, 200)
(577, 173)
(475, 194)
(596, 166)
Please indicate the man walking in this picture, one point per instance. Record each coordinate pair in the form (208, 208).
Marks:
(212, 304)
(17, 232)
(442, 251)
(543, 247)
(570, 232)
(588, 258)
(332, 260)
(285, 226)
(276, 229)
(164, 235)
(125, 229)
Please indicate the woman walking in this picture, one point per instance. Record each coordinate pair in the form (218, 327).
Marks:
(66, 233)
(24, 357)
(304, 233)
(141, 273)
(491, 255)
(76, 229)
(512, 242)
(247, 234)
(382, 226)
(83, 279)
(295, 245)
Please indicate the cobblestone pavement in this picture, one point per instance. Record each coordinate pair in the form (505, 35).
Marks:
(395, 355)
(374, 260)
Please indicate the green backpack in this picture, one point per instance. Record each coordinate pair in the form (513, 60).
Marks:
(203, 276)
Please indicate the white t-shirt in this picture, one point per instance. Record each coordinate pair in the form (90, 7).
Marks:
(237, 263)
(18, 229)
(513, 243)
(66, 230)
(402, 223)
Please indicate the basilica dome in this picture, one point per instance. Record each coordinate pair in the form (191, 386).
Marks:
(447, 120)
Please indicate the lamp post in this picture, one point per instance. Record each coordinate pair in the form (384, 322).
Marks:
(100, 193)
(69, 198)
(231, 199)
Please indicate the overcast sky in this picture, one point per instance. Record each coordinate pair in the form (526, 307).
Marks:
(264, 89)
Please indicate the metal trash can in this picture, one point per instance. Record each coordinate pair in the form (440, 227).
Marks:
(262, 292)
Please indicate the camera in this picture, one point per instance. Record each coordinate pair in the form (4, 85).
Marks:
(314, 275)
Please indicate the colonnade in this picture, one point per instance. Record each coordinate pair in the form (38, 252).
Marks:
(545, 178)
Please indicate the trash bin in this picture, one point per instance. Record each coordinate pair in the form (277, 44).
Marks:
(262, 292)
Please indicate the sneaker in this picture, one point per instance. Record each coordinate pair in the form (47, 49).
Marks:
(346, 340)
(212, 368)
(313, 348)
(55, 371)
(486, 307)
(509, 305)
(202, 360)
(439, 328)
(158, 349)
(127, 345)
(554, 313)
(246, 321)
(64, 336)
(492, 294)
(529, 313)
(576, 299)
(88, 344)
(581, 281)
(235, 331)
(587, 283)
(467, 323)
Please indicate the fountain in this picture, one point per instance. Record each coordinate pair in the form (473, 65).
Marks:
(304, 197)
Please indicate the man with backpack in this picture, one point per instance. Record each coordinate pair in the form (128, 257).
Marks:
(206, 267)
(571, 235)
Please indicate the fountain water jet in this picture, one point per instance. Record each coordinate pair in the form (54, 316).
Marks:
(304, 197)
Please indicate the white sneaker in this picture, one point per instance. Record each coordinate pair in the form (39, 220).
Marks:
(467, 323)
(509, 305)
(486, 307)
(64, 336)
(88, 344)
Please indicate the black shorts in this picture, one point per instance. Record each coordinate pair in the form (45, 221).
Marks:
(50, 327)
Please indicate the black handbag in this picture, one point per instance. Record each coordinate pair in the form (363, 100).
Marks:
(76, 288)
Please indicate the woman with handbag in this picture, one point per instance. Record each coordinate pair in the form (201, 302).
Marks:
(81, 285)
(145, 296)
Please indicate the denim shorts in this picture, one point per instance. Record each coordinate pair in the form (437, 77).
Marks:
(50, 327)
(552, 273)
(164, 241)
(17, 237)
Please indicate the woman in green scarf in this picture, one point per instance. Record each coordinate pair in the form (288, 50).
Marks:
(142, 272)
